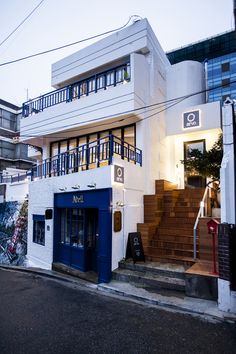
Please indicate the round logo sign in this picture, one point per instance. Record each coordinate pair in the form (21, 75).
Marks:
(191, 117)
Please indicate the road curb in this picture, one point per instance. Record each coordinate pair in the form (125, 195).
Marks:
(161, 301)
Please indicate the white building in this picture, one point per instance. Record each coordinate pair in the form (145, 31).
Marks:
(110, 129)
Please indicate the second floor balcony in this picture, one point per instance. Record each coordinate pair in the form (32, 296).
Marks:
(88, 156)
(92, 155)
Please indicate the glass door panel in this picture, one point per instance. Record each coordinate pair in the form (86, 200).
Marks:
(192, 178)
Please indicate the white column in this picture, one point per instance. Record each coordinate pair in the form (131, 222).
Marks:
(226, 297)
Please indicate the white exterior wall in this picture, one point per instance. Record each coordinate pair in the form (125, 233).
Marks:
(17, 191)
(183, 79)
(128, 195)
(209, 129)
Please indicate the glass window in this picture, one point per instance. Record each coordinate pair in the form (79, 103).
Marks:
(83, 88)
(65, 226)
(91, 85)
(225, 82)
(39, 229)
(82, 160)
(63, 146)
(54, 149)
(110, 78)
(129, 136)
(93, 143)
(225, 67)
(100, 82)
(77, 227)
(195, 145)
(75, 91)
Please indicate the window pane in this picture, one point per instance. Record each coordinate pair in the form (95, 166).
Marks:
(77, 228)
(54, 149)
(225, 67)
(129, 135)
(39, 230)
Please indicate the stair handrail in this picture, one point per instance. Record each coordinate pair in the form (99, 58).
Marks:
(201, 212)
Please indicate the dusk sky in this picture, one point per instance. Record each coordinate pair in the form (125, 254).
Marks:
(59, 22)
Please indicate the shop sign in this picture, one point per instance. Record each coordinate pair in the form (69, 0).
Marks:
(78, 199)
(191, 119)
(118, 174)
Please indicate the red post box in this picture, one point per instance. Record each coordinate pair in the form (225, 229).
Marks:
(212, 226)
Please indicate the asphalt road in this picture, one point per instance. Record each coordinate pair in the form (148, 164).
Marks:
(39, 315)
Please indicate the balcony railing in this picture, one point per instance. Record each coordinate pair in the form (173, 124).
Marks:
(92, 155)
(93, 84)
(19, 177)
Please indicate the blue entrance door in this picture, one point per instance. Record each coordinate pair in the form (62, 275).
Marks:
(83, 231)
(79, 238)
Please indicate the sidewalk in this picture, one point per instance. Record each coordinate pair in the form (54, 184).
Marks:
(198, 307)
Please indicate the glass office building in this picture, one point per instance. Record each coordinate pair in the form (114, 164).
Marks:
(218, 54)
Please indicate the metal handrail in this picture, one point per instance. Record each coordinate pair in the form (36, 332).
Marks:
(202, 212)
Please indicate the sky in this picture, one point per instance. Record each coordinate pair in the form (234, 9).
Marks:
(58, 22)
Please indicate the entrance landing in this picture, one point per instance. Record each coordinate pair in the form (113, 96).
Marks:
(89, 276)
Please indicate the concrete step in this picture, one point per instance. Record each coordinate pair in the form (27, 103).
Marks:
(156, 268)
(186, 261)
(148, 280)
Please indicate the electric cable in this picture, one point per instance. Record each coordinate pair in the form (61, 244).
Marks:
(66, 45)
(22, 22)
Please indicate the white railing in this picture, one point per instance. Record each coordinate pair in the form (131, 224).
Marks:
(202, 212)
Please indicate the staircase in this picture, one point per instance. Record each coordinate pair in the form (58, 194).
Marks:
(169, 217)
(168, 280)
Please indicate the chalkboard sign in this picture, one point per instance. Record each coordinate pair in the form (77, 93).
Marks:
(135, 247)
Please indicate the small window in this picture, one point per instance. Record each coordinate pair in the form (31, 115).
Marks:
(225, 67)
(225, 82)
(39, 229)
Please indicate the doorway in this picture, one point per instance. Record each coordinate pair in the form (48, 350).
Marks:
(191, 178)
(77, 244)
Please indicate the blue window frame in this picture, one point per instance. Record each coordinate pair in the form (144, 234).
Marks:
(39, 229)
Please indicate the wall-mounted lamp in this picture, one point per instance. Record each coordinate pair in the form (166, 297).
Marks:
(77, 186)
(63, 189)
(119, 204)
(91, 185)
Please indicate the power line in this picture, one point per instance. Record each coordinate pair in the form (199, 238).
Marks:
(66, 45)
(22, 22)
(119, 113)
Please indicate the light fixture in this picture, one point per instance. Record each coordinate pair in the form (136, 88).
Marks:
(91, 185)
(77, 186)
(119, 203)
(63, 189)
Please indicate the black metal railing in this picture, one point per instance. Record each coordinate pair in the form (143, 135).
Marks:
(92, 155)
(93, 84)
(19, 177)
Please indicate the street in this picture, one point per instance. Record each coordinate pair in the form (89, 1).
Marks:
(40, 315)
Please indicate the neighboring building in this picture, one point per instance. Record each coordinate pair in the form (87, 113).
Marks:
(218, 53)
(11, 155)
(111, 128)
